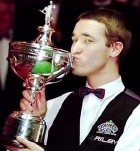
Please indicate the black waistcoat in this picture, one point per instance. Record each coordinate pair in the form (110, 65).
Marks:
(64, 133)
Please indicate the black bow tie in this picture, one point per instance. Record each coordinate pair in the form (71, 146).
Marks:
(4, 35)
(100, 93)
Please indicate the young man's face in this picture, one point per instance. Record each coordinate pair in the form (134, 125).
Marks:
(91, 55)
(6, 16)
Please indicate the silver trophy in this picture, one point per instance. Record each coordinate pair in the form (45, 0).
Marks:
(38, 63)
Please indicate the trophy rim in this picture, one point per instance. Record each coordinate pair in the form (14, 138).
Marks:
(28, 116)
(23, 45)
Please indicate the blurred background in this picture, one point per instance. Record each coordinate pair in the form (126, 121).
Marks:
(20, 19)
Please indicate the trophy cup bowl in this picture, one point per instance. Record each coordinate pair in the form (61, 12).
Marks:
(38, 63)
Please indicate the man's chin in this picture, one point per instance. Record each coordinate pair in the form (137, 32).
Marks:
(77, 73)
(74, 72)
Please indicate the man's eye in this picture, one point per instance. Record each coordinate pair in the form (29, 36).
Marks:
(88, 41)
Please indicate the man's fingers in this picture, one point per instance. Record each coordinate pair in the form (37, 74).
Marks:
(22, 105)
(27, 95)
(25, 105)
(30, 145)
(25, 142)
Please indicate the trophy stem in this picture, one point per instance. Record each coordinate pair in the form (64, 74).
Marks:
(34, 82)
(33, 94)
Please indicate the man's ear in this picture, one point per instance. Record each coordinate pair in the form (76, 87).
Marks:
(117, 47)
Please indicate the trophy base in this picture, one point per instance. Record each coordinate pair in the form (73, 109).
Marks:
(8, 141)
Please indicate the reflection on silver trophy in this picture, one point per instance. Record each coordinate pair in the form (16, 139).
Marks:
(38, 63)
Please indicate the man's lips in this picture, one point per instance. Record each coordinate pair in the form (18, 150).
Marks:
(75, 59)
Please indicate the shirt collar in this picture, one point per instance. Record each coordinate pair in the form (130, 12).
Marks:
(113, 87)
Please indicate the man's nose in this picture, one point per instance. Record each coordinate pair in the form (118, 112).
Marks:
(76, 49)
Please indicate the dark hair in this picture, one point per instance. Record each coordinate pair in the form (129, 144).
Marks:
(117, 28)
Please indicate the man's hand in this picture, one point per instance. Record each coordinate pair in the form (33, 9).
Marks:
(37, 106)
(30, 146)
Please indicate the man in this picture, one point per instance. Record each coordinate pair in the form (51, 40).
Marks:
(82, 121)
(65, 24)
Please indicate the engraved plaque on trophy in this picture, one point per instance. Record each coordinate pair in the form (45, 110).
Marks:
(38, 63)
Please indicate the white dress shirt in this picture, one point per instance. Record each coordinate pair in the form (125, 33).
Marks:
(91, 110)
